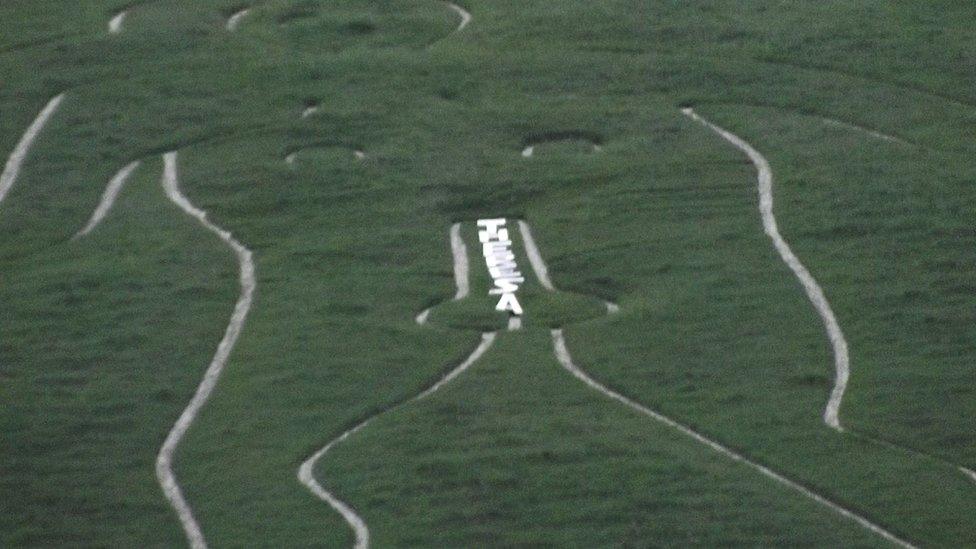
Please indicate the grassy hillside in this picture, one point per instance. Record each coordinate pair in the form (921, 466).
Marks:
(104, 339)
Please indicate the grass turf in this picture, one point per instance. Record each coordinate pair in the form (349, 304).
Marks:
(105, 338)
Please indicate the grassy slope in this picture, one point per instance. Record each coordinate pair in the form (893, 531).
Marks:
(714, 330)
(526, 455)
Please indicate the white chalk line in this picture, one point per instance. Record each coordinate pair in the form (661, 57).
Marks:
(108, 198)
(164, 461)
(814, 292)
(514, 323)
(566, 360)
(234, 21)
(465, 15)
(12, 169)
(529, 151)
(826, 120)
(541, 270)
(862, 129)
(831, 415)
(115, 23)
(292, 158)
(969, 473)
(535, 258)
(306, 472)
(459, 253)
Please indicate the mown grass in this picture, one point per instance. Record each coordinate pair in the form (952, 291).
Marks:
(103, 339)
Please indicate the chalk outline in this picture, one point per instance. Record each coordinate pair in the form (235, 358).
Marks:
(115, 23)
(831, 413)
(234, 21)
(16, 159)
(815, 294)
(459, 253)
(466, 16)
(529, 150)
(306, 472)
(566, 361)
(108, 197)
(164, 460)
(539, 265)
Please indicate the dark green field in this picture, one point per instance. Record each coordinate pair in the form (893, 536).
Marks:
(865, 109)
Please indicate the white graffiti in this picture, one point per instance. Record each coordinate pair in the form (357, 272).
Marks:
(497, 248)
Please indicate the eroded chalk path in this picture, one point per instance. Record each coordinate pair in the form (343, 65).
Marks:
(12, 168)
(164, 460)
(306, 473)
(566, 360)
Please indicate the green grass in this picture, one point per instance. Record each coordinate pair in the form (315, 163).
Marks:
(529, 456)
(104, 339)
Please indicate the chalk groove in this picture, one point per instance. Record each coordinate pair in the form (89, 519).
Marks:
(535, 258)
(12, 169)
(115, 23)
(831, 415)
(108, 198)
(459, 252)
(164, 461)
(566, 360)
(529, 151)
(306, 472)
(862, 129)
(234, 21)
(539, 265)
(465, 15)
(969, 473)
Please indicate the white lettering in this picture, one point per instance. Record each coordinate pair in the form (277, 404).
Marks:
(506, 286)
(496, 246)
(501, 259)
(509, 302)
